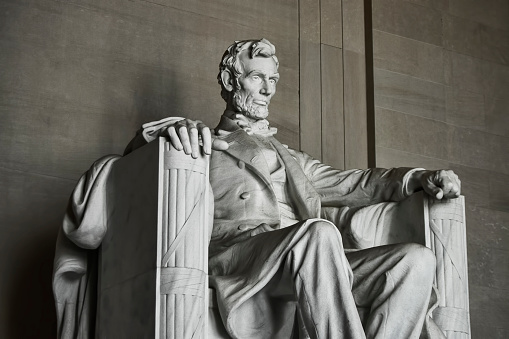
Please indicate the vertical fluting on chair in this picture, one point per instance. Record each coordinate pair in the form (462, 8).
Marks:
(448, 240)
(184, 244)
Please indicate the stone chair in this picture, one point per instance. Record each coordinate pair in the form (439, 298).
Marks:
(153, 261)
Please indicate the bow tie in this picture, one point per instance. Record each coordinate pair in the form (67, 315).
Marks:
(251, 127)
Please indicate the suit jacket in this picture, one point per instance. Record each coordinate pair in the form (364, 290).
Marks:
(241, 265)
(245, 198)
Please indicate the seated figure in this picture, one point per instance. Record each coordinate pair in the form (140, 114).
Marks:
(269, 239)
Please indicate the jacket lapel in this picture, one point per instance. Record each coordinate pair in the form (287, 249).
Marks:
(244, 148)
(306, 199)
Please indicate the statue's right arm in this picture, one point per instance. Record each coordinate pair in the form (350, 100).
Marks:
(184, 134)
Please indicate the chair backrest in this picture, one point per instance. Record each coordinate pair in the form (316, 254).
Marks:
(153, 259)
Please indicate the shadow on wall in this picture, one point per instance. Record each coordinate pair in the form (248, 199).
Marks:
(31, 307)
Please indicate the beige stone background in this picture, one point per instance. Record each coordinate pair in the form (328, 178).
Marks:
(78, 77)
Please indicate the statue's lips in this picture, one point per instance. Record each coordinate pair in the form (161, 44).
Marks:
(260, 102)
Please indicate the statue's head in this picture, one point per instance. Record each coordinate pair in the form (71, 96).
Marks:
(248, 74)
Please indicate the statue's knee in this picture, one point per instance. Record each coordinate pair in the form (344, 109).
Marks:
(419, 259)
(323, 230)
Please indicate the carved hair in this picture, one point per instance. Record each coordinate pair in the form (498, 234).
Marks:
(230, 61)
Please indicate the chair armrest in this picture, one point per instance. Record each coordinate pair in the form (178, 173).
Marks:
(440, 226)
(446, 237)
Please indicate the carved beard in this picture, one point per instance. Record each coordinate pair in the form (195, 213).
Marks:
(251, 110)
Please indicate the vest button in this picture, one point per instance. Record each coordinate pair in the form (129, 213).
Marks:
(245, 195)
(241, 164)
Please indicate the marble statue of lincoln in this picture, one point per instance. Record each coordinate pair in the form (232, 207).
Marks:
(272, 250)
(270, 241)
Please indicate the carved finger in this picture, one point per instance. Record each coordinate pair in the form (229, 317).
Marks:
(184, 139)
(174, 139)
(206, 138)
(195, 146)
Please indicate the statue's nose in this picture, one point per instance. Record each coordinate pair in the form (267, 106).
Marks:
(266, 88)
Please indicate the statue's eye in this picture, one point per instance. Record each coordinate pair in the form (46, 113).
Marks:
(256, 78)
(273, 81)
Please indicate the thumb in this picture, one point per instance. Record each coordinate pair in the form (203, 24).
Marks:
(219, 145)
(437, 192)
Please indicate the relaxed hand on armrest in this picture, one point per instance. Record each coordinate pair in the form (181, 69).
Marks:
(189, 135)
(439, 184)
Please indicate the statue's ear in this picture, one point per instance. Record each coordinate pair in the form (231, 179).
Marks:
(227, 79)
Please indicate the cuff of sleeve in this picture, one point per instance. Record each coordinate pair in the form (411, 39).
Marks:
(406, 178)
(152, 130)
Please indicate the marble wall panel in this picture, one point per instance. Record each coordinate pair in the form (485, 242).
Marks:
(310, 78)
(410, 133)
(479, 330)
(496, 80)
(357, 87)
(490, 12)
(389, 157)
(356, 111)
(468, 147)
(354, 39)
(333, 128)
(474, 185)
(463, 72)
(464, 108)
(495, 45)
(408, 94)
(488, 306)
(280, 17)
(410, 20)
(488, 245)
(462, 36)
(408, 56)
(496, 115)
(311, 100)
(474, 42)
(390, 130)
(309, 17)
(438, 4)
(331, 23)
(498, 147)
(488, 227)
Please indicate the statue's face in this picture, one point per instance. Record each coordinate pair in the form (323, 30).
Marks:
(257, 86)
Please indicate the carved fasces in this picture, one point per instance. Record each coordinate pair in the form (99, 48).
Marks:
(184, 243)
(447, 239)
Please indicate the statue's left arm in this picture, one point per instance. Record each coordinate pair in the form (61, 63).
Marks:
(365, 187)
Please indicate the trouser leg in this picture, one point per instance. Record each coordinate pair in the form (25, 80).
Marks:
(395, 283)
(322, 282)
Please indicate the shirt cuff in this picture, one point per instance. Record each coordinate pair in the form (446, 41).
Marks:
(406, 179)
